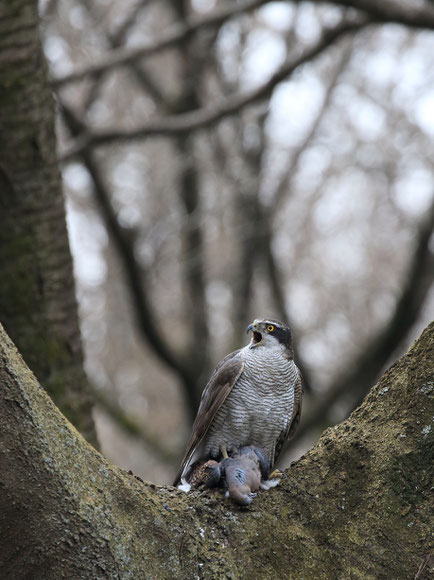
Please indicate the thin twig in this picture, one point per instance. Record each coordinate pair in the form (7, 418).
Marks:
(367, 365)
(284, 183)
(422, 567)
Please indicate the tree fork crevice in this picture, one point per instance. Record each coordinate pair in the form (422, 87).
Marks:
(358, 505)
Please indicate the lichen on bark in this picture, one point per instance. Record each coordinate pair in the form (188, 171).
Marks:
(358, 505)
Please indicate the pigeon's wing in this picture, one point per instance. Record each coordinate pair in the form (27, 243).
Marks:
(224, 377)
(289, 432)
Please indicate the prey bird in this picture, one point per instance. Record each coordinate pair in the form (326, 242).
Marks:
(243, 473)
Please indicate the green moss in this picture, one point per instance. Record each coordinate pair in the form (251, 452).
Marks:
(410, 476)
(17, 287)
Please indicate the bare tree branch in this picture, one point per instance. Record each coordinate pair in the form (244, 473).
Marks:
(257, 220)
(393, 12)
(193, 57)
(192, 64)
(135, 275)
(242, 276)
(368, 364)
(116, 40)
(179, 32)
(192, 234)
(67, 513)
(206, 117)
(145, 80)
(276, 282)
(284, 183)
(410, 15)
(193, 264)
(277, 290)
(242, 188)
(131, 427)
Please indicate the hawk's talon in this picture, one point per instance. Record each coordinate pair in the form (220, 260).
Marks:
(278, 473)
(273, 480)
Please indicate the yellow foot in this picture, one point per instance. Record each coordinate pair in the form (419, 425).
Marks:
(224, 451)
(274, 479)
(278, 473)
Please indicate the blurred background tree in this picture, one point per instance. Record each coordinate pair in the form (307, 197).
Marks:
(230, 160)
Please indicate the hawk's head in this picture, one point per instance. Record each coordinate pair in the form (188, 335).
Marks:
(267, 332)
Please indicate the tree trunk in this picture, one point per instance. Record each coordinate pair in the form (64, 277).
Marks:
(358, 505)
(37, 300)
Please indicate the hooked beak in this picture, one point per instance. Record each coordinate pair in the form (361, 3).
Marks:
(257, 336)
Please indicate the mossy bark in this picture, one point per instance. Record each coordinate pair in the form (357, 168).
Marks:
(358, 505)
(37, 300)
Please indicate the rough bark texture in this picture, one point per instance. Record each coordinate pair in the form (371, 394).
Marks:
(358, 505)
(37, 300)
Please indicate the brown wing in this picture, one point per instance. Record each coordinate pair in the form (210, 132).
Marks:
(224, 377)
(295, 419)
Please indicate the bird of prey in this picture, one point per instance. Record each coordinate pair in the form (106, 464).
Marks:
(252, 398)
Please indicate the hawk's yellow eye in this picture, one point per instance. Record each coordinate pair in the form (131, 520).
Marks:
(270, 328)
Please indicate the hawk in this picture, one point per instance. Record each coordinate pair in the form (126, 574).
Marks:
(252, 398)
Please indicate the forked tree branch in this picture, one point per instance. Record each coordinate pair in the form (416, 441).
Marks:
(281, 192)
(285, 182)
(136, 276)
(208, 116)
(116, 39)
(368, 363)
(123, 420)
(67, 513)
(178, 33)
(381, 12)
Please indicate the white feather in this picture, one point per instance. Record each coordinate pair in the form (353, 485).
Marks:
(269, 483)
(184, 486)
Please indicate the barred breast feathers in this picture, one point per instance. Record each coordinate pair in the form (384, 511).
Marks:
(272, 363)
(260, 405)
